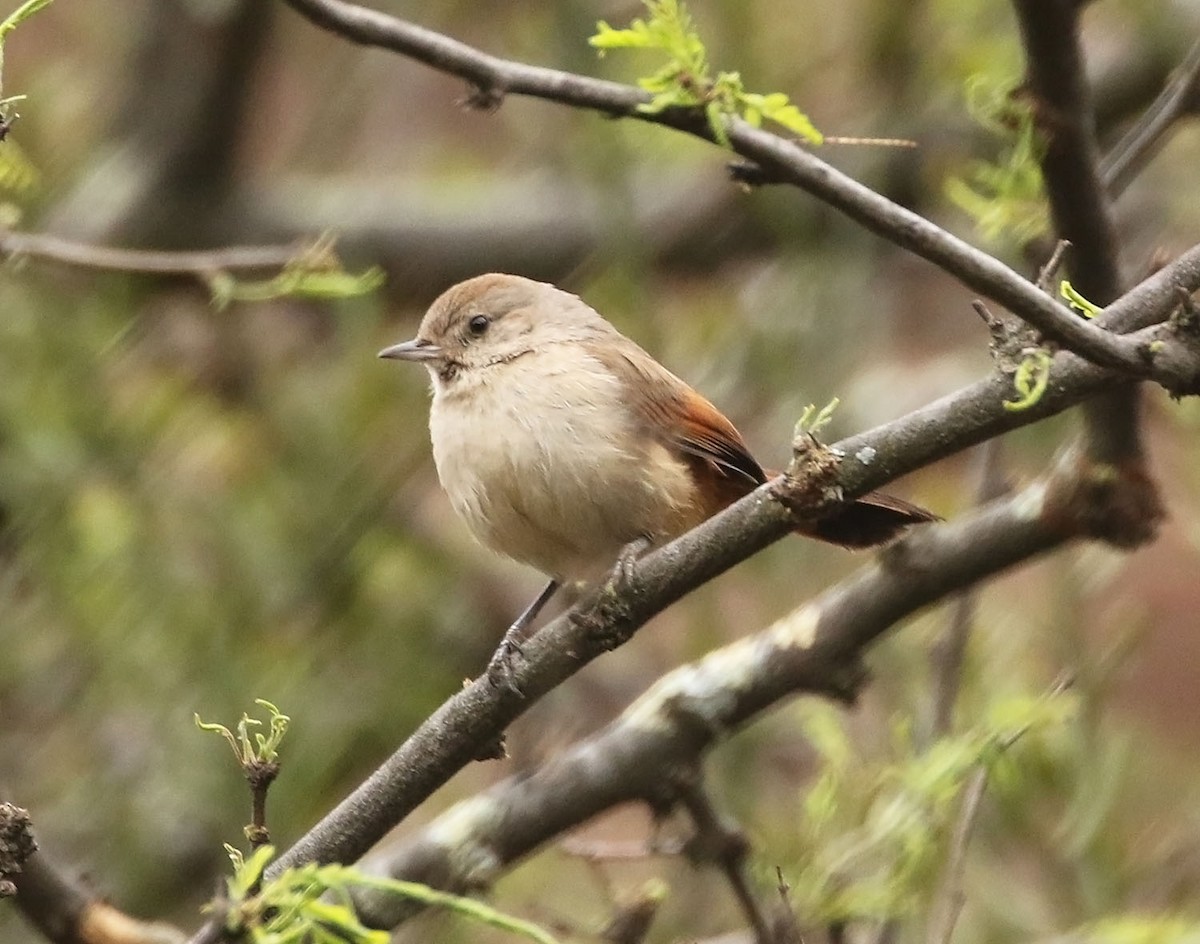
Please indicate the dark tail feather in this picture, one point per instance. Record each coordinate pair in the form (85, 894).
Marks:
(875, 518)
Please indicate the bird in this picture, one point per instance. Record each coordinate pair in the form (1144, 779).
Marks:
(561, 443)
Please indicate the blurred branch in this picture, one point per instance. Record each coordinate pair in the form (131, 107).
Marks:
(631, 923)
(720, 841)
(1179, 98)
(817, 648)
(950, 895)
(949, 650)
(169, 174)
(1079, 210)
(539, 225)
(950, 898)
(61, 909)
(778, 160)
(145, 261)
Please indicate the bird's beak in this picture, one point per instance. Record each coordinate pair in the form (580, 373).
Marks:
(417, 349)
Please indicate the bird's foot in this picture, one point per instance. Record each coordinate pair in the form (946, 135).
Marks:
(621, 576)
(501, 669)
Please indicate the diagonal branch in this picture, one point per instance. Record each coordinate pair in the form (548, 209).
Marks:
(779, 159)
(817, 648)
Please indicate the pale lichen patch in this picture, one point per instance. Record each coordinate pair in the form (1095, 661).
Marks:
(797, 630)
(1030, 503)
(458, 831)
(709, 688)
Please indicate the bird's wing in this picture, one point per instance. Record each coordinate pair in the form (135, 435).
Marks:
(681, 418)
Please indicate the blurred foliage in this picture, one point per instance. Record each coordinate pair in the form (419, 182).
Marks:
(200, 506)
(1004, 196)
(313, 904)
(873, 836)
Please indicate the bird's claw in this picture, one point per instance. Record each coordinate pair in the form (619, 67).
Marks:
(501, 670)
(622, 572)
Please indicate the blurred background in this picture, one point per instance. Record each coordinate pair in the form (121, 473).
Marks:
(202, 507)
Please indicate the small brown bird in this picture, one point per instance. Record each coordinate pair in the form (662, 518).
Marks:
(560, 441)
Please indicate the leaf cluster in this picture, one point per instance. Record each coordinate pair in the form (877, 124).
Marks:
(1005, 196)
(315, 273)
(264, 749)
(313, 904)
(874, 835)
(1033, 373)
(686, 81)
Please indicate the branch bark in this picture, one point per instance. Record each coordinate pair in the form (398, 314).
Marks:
(817, 648)
(1079, 207)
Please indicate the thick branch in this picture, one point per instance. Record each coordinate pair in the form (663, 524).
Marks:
(817, 648)
(1079, 207)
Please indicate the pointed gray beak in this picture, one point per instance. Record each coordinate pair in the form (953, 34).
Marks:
(414, 350)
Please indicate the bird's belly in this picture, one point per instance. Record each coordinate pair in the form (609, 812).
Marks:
(550, 470)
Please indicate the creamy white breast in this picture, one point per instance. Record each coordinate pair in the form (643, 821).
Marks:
(542, 459)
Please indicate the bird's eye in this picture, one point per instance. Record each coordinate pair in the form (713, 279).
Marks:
(478, 324)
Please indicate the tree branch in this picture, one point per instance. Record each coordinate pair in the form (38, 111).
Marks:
(1079, 208)
(722, 842)
(1180, 97)
(475, 717)
(817, 648)
(146, 261)
(59, 906)
(779, 159)
(948, 652)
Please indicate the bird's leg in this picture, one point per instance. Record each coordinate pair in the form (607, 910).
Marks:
(500, 668)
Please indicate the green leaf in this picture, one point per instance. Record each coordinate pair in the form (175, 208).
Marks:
(314, 903)
(296, 281)
(685, 80)
(1031, 380)
(776, 107)
(1005, 197)
(812, 420)
(1077, 301)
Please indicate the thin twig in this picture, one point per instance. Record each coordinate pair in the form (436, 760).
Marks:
(1180, 97)
(199, 263)
(950, 898)
(951, 895)
(719, 840)
(614, 850)
(1047, 272)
